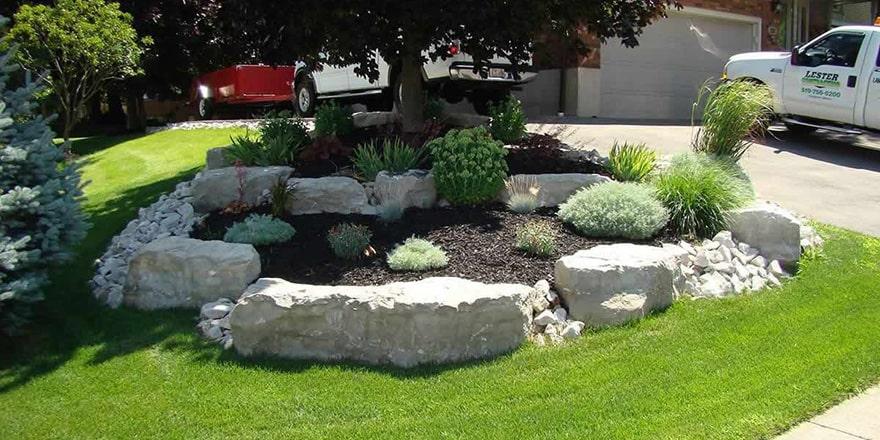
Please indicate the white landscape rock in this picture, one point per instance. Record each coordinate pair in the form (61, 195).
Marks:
(557, 188)
(183, 272)
(216, 189)
(414, 188)
(335, 194)
(612, 284)
(774, 231)
(216, 158)
(432, 321)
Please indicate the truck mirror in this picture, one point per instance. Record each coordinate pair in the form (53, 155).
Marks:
(795, 55)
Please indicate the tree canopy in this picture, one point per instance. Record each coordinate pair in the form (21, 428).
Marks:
(77, 47)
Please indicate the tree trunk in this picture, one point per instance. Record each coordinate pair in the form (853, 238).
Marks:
(412, 96)
(135, 117)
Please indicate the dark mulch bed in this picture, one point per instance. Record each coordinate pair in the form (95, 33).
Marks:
(534, 154)
(478, 240)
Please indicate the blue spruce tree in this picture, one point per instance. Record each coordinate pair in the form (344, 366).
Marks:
(40, 216)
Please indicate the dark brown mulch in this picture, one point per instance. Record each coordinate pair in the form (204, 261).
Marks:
(478, 240)
(543, 154)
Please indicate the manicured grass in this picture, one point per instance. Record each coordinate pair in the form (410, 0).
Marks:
(745, 367)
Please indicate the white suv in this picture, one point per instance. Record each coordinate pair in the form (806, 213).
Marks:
(453, 79)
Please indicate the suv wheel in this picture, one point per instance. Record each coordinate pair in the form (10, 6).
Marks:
(304, 102)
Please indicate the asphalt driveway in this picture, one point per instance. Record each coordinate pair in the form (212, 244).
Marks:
(822, 176)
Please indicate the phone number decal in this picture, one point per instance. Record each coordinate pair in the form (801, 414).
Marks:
(820, 93)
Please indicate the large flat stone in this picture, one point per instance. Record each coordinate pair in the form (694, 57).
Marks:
(414, 188)
(611, 284)
(216, 189)
(374, 119)
(557, 188)
(341, 195)
(216, 158)
(775, 232)
(436, 320)
(184, 272)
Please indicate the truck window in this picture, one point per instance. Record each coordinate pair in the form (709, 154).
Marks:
(840, 49)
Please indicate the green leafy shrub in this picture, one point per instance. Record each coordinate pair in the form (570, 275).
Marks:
(280, 140)
(259, 230)
(631, 162)
(615, 209)
(735, 111)
(40, 215)
(331, 119)
(700, 190)
(280, 196)
(349, 241)
(417, 254)
(469, 166)
(393, 156)
(537, 238)
(522, 193)
(508, 123)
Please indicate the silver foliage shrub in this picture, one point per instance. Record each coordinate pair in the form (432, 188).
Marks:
(417, 254)
(625, 210)
(40, 215)
(259, 230)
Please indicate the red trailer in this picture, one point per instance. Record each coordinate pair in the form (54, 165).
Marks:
(243, 84)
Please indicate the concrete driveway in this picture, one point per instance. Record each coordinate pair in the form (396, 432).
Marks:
(822, 176)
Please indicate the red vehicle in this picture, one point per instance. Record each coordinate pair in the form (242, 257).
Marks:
(240, 85)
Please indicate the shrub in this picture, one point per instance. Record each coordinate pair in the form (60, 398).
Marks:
(734, 112)
(324, 148)
(417, 254)
(259, 230)
(537, 238)
(631, 162)
(434, 108)
(280, 196)
(469, 165)
(615, 209)
(699, 190)
(349, 241)
(280, 140)
(331, 119)
(522, 192)
(390, 208)
(395, 157)
(508, 121)
(40, 215)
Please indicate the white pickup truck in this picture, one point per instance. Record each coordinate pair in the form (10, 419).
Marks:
(453, 79)
(832, 82)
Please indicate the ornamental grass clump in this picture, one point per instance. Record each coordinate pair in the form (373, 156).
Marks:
(259, 230)
(280, 196)
(508, 123)
(393, 156)
(631, 162)
(469, 166)
(537, 238)
(417, 254)
(349, 241)
(734, 113)
(522, 193)
(280, 140)
(700, 190)
(615, 209)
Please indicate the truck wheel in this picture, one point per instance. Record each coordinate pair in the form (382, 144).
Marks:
(304, 103)
(206, 108)
(483, 101)
(800, 130)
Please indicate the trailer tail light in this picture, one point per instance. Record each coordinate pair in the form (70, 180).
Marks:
(454, 49)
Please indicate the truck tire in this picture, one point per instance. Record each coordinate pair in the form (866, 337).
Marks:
(304, 102)
(799, 130)
(206, 108)
(483, 101)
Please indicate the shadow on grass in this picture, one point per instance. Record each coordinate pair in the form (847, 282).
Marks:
(89, 145)
(71, 318)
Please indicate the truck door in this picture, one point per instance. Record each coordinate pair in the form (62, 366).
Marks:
(871, 70)
(331, 79)
(823, 79)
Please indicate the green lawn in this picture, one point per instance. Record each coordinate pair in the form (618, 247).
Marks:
(746, 367)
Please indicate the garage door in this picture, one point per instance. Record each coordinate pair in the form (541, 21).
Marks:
(661, 77)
